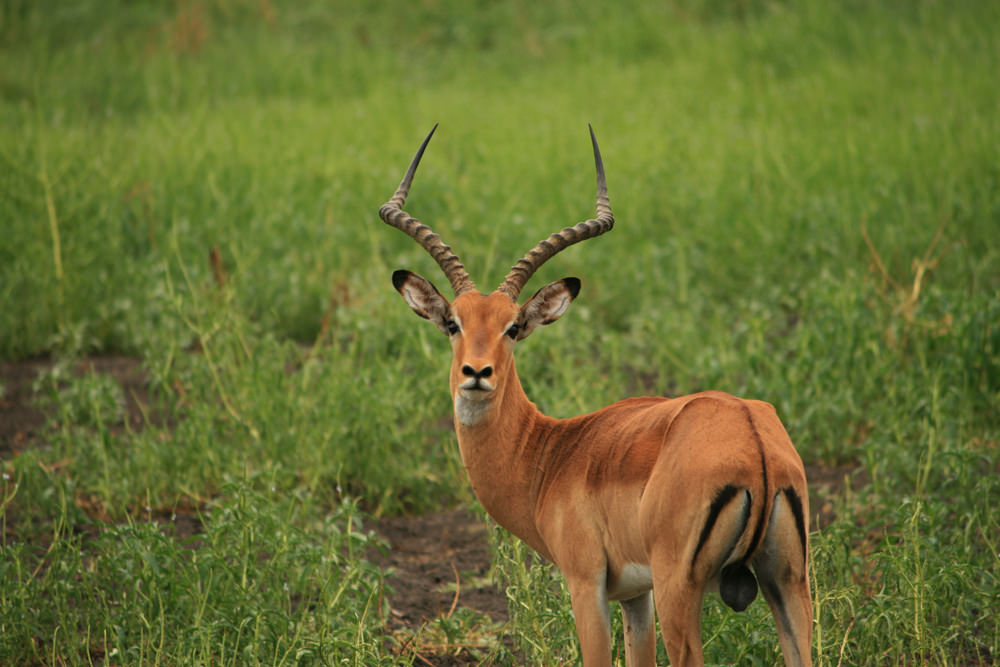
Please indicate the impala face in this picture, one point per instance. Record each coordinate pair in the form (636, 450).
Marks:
(483, 330)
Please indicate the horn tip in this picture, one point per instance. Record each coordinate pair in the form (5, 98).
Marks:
(597, 151)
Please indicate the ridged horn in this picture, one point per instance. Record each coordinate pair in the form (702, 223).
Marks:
(525, 267)
(392, 213)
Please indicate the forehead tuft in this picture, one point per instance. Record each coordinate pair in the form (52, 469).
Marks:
(495, 309)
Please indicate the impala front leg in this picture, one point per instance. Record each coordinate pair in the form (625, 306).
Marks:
(593, 625)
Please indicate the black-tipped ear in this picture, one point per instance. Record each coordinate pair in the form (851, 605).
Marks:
(399, 277)
(573, 285)
(425, 300)
(548, 305)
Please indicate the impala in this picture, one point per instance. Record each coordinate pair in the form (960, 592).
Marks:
(650, 501)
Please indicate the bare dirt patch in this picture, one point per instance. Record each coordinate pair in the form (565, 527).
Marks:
(428, 554)
(21, 418)
(826, 485)
(438, 564)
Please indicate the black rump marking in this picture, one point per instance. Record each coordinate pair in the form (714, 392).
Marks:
(796, 504)
(722, 499)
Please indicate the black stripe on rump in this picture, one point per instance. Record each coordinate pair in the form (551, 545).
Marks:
(796, 504)
(722, 498)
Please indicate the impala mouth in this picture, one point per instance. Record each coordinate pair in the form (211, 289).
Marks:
(476, 386)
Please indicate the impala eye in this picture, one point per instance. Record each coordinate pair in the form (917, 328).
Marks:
(513, 330)
(452, 327)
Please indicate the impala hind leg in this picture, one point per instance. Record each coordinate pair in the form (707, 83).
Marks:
(640, 627)
(782, 570)
(678, 605)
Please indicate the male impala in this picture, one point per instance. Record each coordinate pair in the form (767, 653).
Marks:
(664, 497)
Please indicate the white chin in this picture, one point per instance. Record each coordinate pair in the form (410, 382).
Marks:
(471, 406)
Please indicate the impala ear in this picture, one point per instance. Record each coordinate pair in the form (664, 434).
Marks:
(547, 305)
(425, 300)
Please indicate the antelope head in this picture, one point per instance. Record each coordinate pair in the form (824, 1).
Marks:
(483, 328)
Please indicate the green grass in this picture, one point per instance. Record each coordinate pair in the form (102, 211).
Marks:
(808, 202)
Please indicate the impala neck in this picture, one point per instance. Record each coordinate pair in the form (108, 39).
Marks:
(500, 455)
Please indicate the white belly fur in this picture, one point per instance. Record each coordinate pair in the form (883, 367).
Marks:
(633, 580)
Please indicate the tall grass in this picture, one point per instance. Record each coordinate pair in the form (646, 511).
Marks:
(807, 205)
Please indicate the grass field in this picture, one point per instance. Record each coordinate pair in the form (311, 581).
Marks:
(807, 199)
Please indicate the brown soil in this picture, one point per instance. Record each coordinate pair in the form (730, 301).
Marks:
(437, 558)
(21, 420)
(438, 563)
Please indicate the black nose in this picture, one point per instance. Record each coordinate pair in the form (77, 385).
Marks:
(484, 372)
